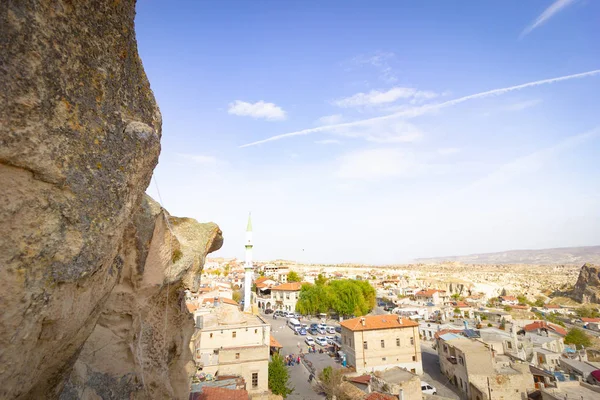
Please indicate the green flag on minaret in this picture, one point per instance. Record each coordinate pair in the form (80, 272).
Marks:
(249, 227)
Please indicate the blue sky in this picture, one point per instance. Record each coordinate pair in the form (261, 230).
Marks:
(425, 145)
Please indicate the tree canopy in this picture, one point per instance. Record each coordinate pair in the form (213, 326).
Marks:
(279, 376)
(587, 312)
(345, 297)
(578, 337)
(293, 277)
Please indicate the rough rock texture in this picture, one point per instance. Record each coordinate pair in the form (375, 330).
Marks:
(79, 138)
(140, 347)
(587, 288)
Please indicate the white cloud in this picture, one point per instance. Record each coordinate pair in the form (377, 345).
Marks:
(523, 105)
(330, 120)
(260, 109)
(448, 150)
(377, 97)
(377, 164)
(328, 141)
(199, 159)
(380, 61)
(382, 132)
(546, 15)
(417, 111)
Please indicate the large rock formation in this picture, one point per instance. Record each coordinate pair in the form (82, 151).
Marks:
(140, 347)
(79, 138)
(587, 288)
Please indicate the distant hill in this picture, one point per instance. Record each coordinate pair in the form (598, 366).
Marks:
(563, 255)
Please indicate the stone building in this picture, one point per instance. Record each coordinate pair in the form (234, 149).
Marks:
(285, 296)
(378, 342)
(229, 342)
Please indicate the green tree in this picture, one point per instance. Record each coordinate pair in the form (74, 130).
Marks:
(330, 380)
(226, 270)
(457, 311)
(522, 299)
(321, 280)
(455, 296)
(345, 297)
(539, 302)
(587, 312)
(279, 376)
(293, 277)
(507, 308)
(578, 337)
(236, 296)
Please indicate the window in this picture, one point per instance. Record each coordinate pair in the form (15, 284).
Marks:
(255, 379)
(287, 296)
(211, 335)
(233, 334)
(365, 345)
(256, 331)
(398, 341)
(383, 344)
(345, 340)
(445, 348)
(237, 356)
(414, 358)
(509, 344)
(383, 359)
(412, 340)
(414, 371)
(461, 360)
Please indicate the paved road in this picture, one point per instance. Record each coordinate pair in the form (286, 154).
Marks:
(433, 375)
(298, 373)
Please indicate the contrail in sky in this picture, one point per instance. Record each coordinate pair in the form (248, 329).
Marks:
(546, 15)
(416, 111)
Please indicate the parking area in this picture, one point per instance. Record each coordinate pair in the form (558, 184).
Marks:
(292, 344)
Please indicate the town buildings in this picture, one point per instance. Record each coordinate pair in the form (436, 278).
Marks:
(231, 343)
(285, 296)
(378, 342)
(432, 296)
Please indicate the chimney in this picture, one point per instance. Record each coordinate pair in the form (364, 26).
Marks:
(215, 301)
(363, 321)
(400, 319)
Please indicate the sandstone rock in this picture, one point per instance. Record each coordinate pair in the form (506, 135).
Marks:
(587, 288)
(140, 347)
(79, 138)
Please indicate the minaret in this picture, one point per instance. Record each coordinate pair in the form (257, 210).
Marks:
(248, 267)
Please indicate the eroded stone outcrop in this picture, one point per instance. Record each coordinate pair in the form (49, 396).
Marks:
(79, 138)
(587, 288)
(140, 347)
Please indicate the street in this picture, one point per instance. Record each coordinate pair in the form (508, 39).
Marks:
(433, 375)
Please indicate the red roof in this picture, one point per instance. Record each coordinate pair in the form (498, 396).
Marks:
(261, 279)
(373, 322)
(545, 325)
(380, 396)
(291, 286)
(274, 343)
(217, 393)
(590, 319)
(426, 293)
(364, 379)
(552, 306)
(223, 300)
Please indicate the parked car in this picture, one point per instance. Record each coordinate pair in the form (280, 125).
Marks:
(309, 341)
(278, 313)
(314, 326)
(426, 388)
(321, 341)
(338, 339)
(330, 329)
(329, 339)
(322, 326)
(301, 331)
(338, 329)
(321, 330)
(289, 314)
(268, 311)
(313, 331)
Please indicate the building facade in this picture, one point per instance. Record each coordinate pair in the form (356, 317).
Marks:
(229, 342)
(285, 296)
(378, 342)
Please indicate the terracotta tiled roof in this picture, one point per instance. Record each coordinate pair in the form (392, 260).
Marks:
(543, 324)
(459, 304)
(426, 293)
(552, 306)
(191, 307)
(373, 322)
(274, 342)
(590, 319)
(217, 393)
(380, 396)
(223, 300)
(291, 286)
(364, 379)
(261, 285)
(444, 331)
(261, 279)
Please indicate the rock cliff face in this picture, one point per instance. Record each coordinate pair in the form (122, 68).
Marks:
(587, 288)
(139, 348)
(79, 138)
